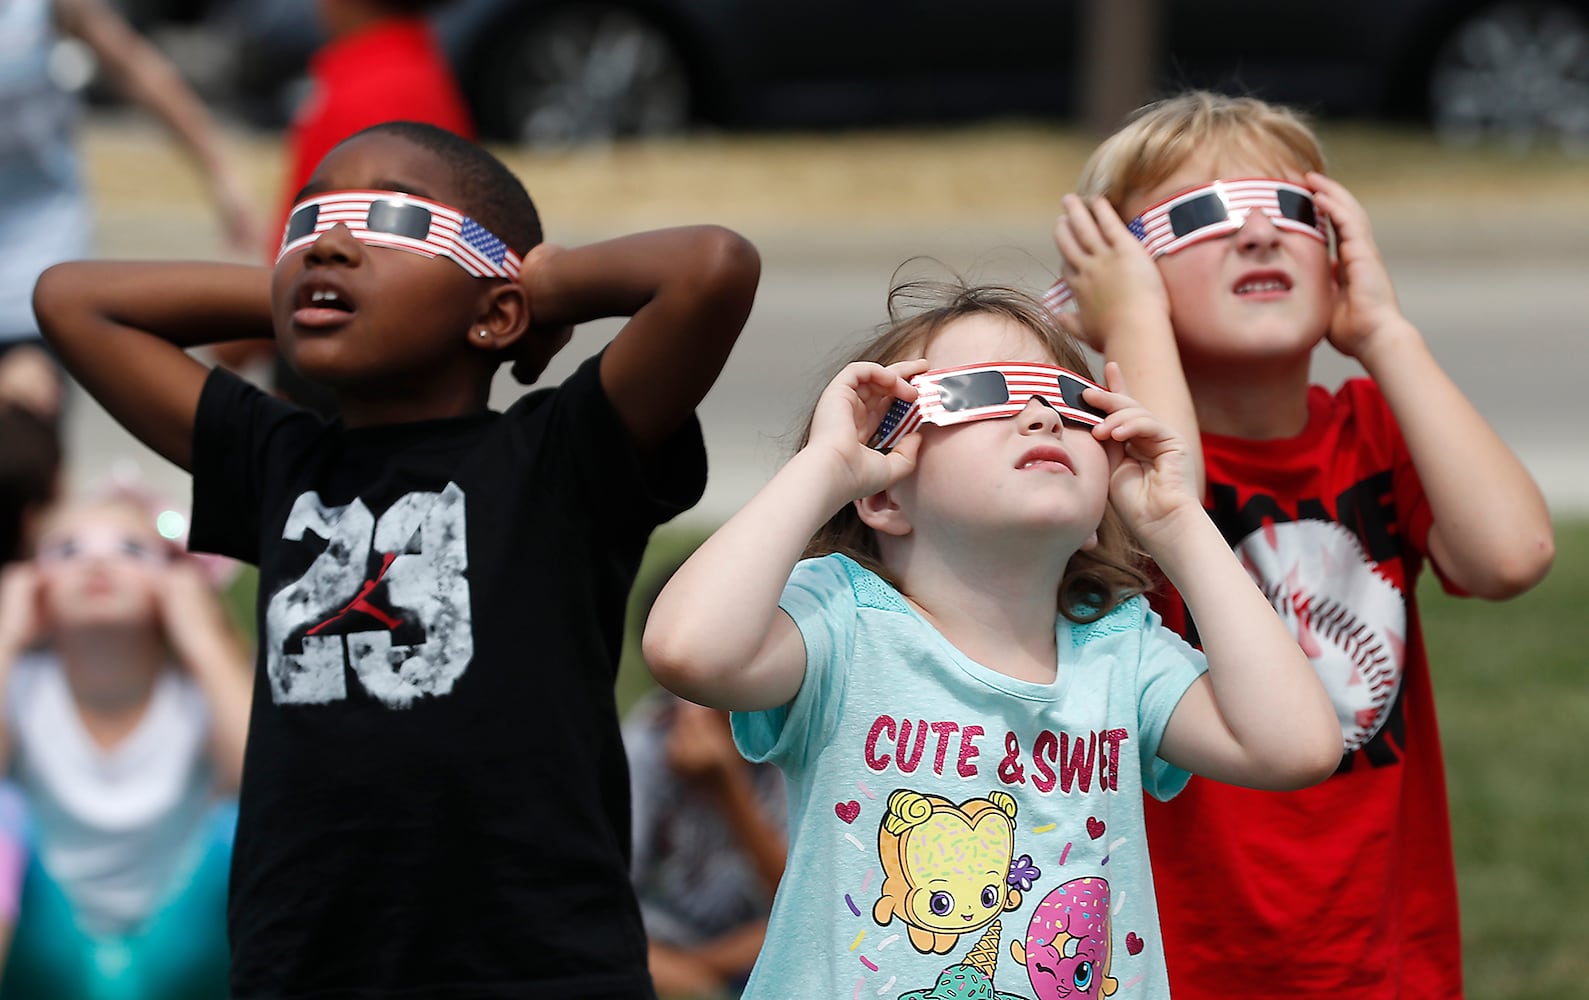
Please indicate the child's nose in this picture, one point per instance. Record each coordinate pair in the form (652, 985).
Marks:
(335, 244)
(1257, 231)
(1039, 415)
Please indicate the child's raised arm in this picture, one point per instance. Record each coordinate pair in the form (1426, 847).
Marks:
(121, 329)
(1259, 717)
(715, 634)
(1123, 311)
(687, 291)
(1492, 534)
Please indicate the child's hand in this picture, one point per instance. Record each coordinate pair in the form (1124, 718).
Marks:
(190, 610)
(1108, 270)
(540, 342)
(1151, 485)
(1366, 301)
(22, 621)
(846, 415)
(700, 744)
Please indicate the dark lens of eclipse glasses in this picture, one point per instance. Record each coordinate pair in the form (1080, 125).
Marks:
(965, 392)
(395, 217)
(400, 219)
(1298, 206)
(1195, 213)
(302, 223)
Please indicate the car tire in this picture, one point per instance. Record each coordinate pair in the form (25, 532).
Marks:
(1516, 72)
(591, 72)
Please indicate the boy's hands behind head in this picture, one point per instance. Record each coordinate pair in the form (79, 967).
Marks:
(544, 338)
(1109, 272)
(1365, 300)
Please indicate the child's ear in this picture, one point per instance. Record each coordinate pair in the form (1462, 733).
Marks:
(503, 317)
(881, 512)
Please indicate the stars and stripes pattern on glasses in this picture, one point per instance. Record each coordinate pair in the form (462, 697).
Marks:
(403, 222)
(1215, 209)
(985, 392)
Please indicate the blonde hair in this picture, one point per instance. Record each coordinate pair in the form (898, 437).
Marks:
(1158, 138)
(1095, 580)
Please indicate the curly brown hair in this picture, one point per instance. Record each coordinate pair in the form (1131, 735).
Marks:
(1095, 580)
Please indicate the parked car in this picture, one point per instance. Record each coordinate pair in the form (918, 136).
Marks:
(558, 71)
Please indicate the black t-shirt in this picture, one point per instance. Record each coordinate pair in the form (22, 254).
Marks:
(435, 795)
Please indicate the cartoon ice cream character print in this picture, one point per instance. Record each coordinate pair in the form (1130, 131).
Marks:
(946, 866)
(1067, 943)
(972, 979)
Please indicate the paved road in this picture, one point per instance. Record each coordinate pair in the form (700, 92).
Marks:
(1501, 291)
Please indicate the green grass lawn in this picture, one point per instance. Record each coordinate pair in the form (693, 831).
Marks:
(1513, 696)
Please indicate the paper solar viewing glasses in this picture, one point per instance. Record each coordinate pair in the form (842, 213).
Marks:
(402, 222)
(1216, 209)
(960, 395)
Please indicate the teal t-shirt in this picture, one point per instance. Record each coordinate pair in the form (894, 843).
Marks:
(955, 832)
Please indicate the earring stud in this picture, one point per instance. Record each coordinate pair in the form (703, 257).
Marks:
(484, 334)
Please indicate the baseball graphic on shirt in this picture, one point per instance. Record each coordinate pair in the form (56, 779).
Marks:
(1351, 621)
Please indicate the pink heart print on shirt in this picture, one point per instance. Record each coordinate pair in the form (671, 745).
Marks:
(847, 811)
(1095, 827)
(1134, 944)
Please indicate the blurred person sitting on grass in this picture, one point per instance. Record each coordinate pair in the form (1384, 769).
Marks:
(125, 712)
(45, 215)
(381, 62)
(709, 845)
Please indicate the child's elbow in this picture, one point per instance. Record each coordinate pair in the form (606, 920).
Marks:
(672, 660)
(54, 291)
(729, 261)
(1519, 571)
(1312, 756)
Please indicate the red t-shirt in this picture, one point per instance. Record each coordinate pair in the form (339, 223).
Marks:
(1347, 888)
(391, 70)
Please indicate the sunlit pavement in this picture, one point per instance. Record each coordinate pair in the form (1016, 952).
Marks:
(1490, 260)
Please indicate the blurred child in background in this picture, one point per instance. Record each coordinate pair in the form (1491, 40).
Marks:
(125, 712)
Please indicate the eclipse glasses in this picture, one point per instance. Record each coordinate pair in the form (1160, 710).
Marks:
(960, 395)
(1216, 209)
(402, 222)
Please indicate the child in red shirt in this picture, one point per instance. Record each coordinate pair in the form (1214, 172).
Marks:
(1213, 298)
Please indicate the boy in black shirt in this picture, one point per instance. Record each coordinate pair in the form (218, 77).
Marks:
(435, 798)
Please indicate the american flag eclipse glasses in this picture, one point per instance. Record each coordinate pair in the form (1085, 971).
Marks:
(402, 222)
(960, 395)
(1216, 209)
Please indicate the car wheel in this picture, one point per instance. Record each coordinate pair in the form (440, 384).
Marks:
(1517, 72)
(588, 73)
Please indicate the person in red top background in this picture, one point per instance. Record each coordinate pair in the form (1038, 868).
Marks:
(381, 62)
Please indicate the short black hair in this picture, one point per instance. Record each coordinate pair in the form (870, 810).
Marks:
(29, 463)
(488, 191)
